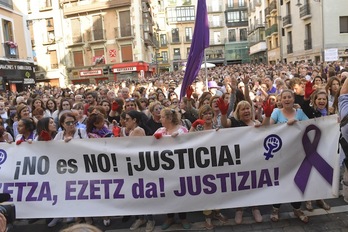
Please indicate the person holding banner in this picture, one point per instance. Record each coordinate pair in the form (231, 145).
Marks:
(242, 116)
(288, 114)
(205, 122)
(46, 129)
(136, 127)
(68, 122)
(22, 112)
(170, 120)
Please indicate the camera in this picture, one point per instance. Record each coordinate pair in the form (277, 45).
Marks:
(8, 210)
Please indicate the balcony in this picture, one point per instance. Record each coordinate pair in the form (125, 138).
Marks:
(95, 36)
(216, 42)
(175, 40)
(124, 33)
(237, 24)
(75, 40)
(218, 24)
(164, 44)
(305, 12)
(268, 32)
(308, 44)
(267, 12)
(236, 6)
(177, 57)
(217, 8)
(287, 21)
(273, 7)
(71, 8)
(274, 29)
(11, 51)
(148, 39)
(289, 48)
(254, 27)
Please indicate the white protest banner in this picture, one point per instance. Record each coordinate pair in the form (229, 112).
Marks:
(227, 168)
(331, 54)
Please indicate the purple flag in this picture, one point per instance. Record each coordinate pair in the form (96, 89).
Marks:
(200, 41)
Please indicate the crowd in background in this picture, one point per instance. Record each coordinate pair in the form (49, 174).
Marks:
(229, 96)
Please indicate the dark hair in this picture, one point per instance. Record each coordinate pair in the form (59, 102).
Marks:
(61, 103)
(54, 102)
(93, 118)
(42, 125)
(138, 116)
(28, 124)
(64, 116)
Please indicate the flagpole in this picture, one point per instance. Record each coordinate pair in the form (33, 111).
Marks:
(206, 71)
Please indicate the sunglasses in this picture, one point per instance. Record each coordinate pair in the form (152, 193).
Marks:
(70, 123)
(130, 99)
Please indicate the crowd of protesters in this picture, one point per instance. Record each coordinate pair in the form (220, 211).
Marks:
(230, 96)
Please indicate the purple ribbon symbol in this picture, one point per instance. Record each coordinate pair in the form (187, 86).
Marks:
(312, 159)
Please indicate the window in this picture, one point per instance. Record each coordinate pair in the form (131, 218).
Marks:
(241, 2)
(217, 37)
(76, 31)
(230, 3)
(125, 24)
(175, 35)
(232, 35)
(233, 16)
(49, 37)
(163, 40)
(243, 34)
(78, 58)
(188, 34)
(28, 6)
(98, 27)
(7, 30)
(164, 56)
(53, 59)
(177, 55)
(181, 14)
(98, 57)
(343, 24)
(45, 4)
(127, 53)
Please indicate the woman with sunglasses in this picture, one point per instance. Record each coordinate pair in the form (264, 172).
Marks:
(68, 123)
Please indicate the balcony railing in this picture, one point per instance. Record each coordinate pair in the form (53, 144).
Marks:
(286, 20)
(274, 28)
(272, 6)
(188, 39)
(216, 24)
(268, 32)
(96, 35)
(10, 51)
(177, 57)
(267, 12)
(217, 8)
(236, 5)
(308, 44)
(125, 32)
(175, 40)
(305, 11)
(164, 45)
(289, 48)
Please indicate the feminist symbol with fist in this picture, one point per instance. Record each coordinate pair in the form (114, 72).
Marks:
(272, 143)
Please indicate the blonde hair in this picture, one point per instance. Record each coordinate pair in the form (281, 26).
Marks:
(172, 115)
(239, 106)
(203, 109)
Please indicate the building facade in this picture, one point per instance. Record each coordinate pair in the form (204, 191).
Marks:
(17, 71)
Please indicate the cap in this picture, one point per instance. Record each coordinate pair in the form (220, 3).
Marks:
(212, 84)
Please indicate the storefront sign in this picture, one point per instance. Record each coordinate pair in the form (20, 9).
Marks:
(126, 69)
(95, 72)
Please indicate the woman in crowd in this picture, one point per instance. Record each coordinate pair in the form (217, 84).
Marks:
(187, 110)
(205, 122)
(332, 88)
(51, 107)
(96, 127)
(288, 114)
(107, 106)
(64, 105)
(81, 118)
(26, 131)
(135, 126)
(68, 122)
(5, 136)
(46, 129)
(315, 105)
(22, 112)
(37, 102)
(155, 119)
(170, 120)
(242, 116)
